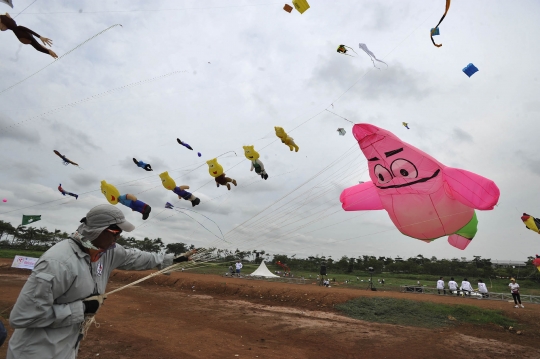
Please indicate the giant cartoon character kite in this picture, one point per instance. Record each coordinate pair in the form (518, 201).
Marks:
(216, 171)
(113, 197)
(286, 139)
(180, 191)
(256, 164)
(424, 198)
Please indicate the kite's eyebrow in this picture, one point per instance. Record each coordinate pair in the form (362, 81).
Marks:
(391, 153)
(374, 159)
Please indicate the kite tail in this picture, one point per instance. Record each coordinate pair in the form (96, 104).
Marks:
(64, 55)
(442, 18)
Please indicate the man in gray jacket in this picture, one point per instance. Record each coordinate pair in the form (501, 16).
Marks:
(68, 283)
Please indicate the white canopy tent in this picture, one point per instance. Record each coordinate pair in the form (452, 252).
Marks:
(263, 271)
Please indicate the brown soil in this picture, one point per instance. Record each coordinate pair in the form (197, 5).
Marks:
(188, 315)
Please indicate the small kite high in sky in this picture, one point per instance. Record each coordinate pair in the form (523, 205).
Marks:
(424, 198)
(300, 5)
(342, 49)
(66, 160)
(470, 70)
(371, 54)
(341, 131)
(25, 35)
(184, 144)
(530, 222)
(143, 165)
(287, 8)
(436, 28)
(406, 125)
(7, 2)
(64, 192)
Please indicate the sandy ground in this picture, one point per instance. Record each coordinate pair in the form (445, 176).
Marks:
(188, 315)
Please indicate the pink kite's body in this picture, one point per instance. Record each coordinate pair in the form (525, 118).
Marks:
(424, 198)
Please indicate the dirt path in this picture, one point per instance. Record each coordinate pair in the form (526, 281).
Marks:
(187, 315)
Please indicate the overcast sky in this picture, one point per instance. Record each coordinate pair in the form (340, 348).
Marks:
(239, 69)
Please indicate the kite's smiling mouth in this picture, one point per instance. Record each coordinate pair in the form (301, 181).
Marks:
(215, 172)
(250, 156)
(113, 198)
(413, 182)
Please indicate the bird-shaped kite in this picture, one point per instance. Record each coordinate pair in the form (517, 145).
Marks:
(66, 160)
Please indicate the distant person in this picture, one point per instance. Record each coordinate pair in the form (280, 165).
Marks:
(382, 281)
(482, 289)
(3, 333)
(440, 286)
(514, 289)
(231, 270)
(466, 287)
(238, 267)
(452, 286)
(417, 282)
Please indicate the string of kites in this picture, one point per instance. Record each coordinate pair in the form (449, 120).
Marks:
(215, 170)
(302, 5)
(424, 198)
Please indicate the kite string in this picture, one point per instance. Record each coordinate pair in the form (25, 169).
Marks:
(24, 9)
(64, 55)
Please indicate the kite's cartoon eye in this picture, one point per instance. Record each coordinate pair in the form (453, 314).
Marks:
(404, 168)
(383, 175)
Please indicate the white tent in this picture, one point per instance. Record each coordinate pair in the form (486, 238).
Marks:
(263, 271)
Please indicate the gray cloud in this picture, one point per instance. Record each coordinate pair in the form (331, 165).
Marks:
(71, 136)
(462, 136)
(85, 180)
(9, 130)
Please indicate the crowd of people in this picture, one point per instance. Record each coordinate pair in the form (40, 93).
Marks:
(466, 289)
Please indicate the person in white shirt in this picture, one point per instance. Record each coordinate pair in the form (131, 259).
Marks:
(482, 289)
(466, 287)
(514, 289)
(238, 267)
(452, 285)
(440, 286)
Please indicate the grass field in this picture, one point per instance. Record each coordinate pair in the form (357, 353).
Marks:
(392, 281)
(419, 314)
(11, 253)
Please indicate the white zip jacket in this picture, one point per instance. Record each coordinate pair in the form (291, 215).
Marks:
(49, 310)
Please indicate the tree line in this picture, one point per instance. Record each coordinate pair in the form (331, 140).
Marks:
(40, 239)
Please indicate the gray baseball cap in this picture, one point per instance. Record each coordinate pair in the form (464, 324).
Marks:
(100, 218)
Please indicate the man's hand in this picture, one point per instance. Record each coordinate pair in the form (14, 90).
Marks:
(92, 304)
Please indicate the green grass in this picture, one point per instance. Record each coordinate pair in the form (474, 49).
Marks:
(419, 314)
(11, 253)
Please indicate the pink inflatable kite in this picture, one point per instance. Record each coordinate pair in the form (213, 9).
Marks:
(424, 198)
